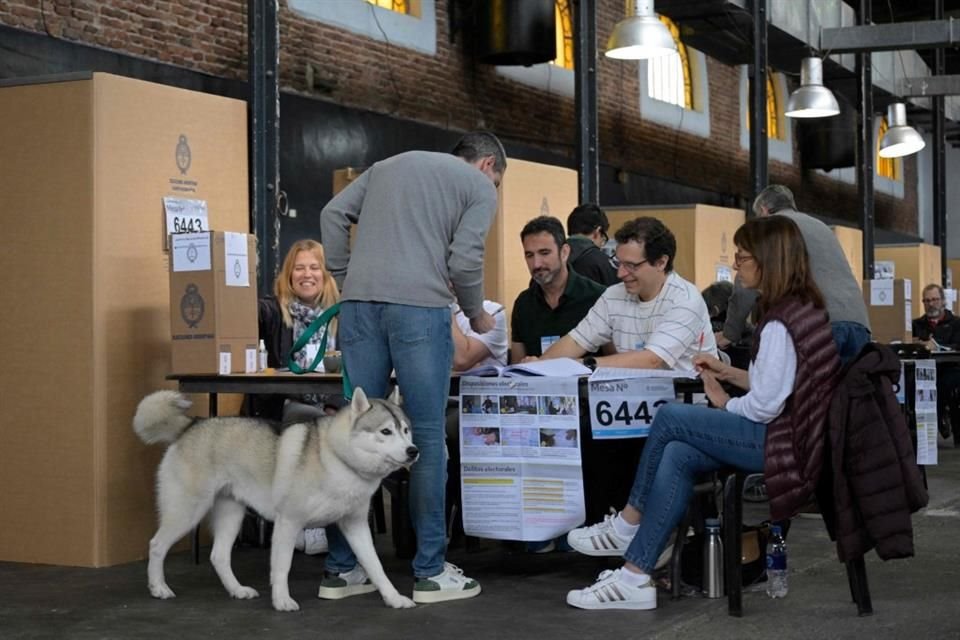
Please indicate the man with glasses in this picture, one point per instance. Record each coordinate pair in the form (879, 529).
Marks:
(939, 329)
(654, 318)
(587, 227)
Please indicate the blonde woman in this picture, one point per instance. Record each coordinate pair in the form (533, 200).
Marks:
(302, 291)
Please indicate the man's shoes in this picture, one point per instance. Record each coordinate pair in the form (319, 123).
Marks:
(599, 539)
(450, 584)
(336, 586)
(312, 541)
(611, 592)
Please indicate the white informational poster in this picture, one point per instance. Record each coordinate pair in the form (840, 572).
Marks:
(520, 461)
(235, 257)
(926, 410)
(626, 408)
(191, 252)
(724, 273)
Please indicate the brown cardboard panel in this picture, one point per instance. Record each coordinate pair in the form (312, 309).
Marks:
(919, 263)
(891, 323)
(851, 241)
(704, 236)
(93, 159)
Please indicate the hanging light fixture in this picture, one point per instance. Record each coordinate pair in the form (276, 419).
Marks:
(900, 139)
(640, 35)
(811, 99)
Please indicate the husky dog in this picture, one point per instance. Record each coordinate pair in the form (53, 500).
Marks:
(320, 472)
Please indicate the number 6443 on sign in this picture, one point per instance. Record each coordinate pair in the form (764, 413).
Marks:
(626, 408)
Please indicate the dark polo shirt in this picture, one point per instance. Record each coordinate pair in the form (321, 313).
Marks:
(533, 318)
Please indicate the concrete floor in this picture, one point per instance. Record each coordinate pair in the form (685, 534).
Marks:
(523, 595)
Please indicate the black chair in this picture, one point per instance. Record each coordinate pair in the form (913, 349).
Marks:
(732, 541)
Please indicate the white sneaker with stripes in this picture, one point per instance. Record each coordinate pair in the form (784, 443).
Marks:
(611, 592)
(599, 539)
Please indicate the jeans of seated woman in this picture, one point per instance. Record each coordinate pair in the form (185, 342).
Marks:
(685, 441)
(376, 338)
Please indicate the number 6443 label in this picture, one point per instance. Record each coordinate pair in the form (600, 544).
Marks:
(626, 408)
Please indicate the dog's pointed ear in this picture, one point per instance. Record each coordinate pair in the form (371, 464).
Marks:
(395, 396)
(359, 404)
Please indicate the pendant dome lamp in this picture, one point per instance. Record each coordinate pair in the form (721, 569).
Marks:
(640, 35)
(900, 139)
(811, 99)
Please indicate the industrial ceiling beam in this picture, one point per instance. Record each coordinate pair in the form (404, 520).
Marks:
(929, 86)
(929, 34)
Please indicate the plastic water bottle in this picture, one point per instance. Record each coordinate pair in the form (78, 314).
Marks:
(776, 564)
(262, 356)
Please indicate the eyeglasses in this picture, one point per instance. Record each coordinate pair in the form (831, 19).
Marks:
(739, 258)
(630, 267)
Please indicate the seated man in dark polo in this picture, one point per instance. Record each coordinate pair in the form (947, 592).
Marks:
(939, 329)
(558, 297)
(587, 227)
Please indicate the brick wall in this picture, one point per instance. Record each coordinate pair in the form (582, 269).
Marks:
(450, 90)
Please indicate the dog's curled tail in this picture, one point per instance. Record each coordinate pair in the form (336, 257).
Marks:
(161, 417)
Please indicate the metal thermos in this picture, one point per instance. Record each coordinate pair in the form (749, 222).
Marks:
(713, 560)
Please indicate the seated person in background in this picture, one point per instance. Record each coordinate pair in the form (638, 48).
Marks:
(718, 297)
(938, 325)
(792, 375)
(587, 227)
(472, 349)
(654, 318)
(302, 291)
(558, 297)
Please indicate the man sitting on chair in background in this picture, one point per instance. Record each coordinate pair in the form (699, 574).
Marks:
(939, 329)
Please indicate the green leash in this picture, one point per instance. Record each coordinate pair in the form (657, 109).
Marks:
(323, 320)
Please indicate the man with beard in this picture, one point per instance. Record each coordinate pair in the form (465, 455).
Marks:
(558, 297)
(939, 329)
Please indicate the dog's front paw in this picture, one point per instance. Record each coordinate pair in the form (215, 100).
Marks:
(397, 601)
(285, 603)
(244, 593)
(162, 591)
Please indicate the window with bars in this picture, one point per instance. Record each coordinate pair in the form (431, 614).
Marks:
(886, 167)
(564, 35)
(669, 77)
(406, 7)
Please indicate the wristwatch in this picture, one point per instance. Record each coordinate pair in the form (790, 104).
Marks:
(590, 362)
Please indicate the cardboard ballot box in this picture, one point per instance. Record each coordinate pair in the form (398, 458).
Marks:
(890, 309)
(88, 159)
(213, 302)
(704, 236)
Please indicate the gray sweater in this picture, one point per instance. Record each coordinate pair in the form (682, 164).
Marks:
(831, 273)
(422, 220)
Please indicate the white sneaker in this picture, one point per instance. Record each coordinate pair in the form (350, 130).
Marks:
(610, 592)
(312, 541)
(599, 539)
(336, 586)
(451, 584)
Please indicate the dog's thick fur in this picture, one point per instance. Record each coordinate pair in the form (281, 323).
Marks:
(315, 473)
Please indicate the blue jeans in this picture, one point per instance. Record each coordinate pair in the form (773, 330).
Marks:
(850, 338)
(685, 441)
(376, 338)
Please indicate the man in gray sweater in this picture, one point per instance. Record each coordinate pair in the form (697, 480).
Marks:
(421, 221)
(831, 273)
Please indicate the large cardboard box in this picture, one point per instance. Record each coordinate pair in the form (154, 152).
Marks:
(890, 309)
(528, 190)
(919, 263)
(851, 241)
(213, 303)
(704, 236)
(85, 280)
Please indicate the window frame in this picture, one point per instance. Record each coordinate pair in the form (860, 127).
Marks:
(418, 33)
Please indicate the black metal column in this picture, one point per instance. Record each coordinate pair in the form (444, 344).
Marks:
(865, 143)
(585, 87)
(940, 160)
(263, 37)
(759, 171)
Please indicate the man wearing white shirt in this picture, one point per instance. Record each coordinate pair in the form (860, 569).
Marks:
(654, 318)
(472, 349)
